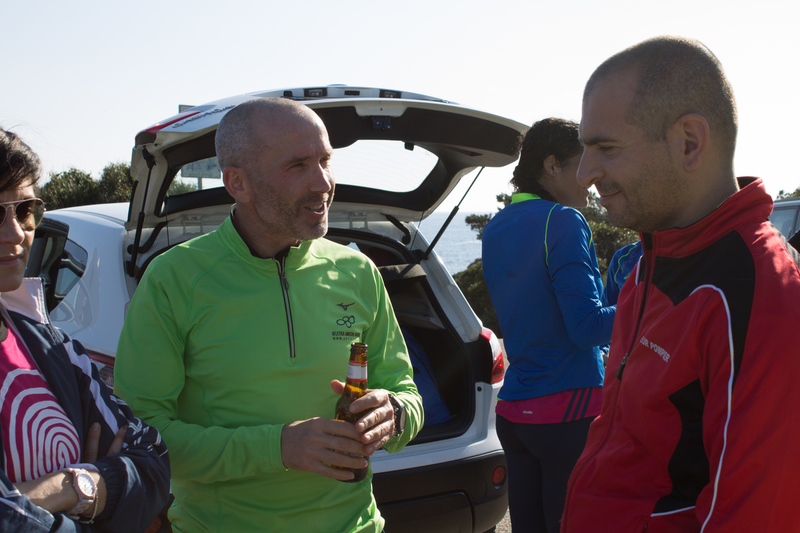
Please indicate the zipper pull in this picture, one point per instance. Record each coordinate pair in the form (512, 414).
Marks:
(282, 272)
(622, 366)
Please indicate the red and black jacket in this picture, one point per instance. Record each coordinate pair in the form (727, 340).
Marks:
(700, 426)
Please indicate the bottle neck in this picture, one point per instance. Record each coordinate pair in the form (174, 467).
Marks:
(357, 370)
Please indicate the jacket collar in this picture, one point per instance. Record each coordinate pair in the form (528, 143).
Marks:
(27, 300)
(296, 257)
(522, 196)
(751, 204)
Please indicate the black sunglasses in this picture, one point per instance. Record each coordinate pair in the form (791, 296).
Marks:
(28, 212)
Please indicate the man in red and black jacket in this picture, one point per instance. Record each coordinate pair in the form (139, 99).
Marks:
(700, 424)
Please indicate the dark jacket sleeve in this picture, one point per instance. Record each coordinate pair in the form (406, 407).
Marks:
(19, 514)
(137, 478)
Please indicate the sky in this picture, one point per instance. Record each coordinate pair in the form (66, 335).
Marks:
(82, 78)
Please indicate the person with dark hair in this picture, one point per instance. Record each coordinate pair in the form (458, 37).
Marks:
(540, 267)
(55, 412)
(699, 427)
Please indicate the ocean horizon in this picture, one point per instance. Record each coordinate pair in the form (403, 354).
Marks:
(459, 246)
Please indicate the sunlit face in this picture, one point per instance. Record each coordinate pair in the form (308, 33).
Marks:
(15, 243)
(564, 185)
(636, 179)
(292, 181)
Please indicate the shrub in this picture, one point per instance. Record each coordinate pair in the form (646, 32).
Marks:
(471, 283)
(76, 187)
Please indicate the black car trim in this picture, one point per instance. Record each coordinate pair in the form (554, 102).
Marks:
(399, 494)
(461, 143)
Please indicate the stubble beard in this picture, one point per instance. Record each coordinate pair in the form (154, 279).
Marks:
(657, 201)
(656, 213)
(285, 220)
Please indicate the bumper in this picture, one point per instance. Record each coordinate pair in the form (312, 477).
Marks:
(456, 496)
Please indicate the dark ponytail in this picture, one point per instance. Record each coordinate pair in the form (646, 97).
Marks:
(551, 136)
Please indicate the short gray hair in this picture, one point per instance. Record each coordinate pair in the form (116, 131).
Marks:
(676, 76)
(234, 135)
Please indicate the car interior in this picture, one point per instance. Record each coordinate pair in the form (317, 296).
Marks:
(438, 353)
(442, 361)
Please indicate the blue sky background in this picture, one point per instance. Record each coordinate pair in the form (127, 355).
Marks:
(81, 78)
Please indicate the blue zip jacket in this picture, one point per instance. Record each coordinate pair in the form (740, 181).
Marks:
(540, 266)
(137, 478)
(622, 262)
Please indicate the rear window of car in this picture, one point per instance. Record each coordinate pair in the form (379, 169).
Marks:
(386, 165)
(783, 218)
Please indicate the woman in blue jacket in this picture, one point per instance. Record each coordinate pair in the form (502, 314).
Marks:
(72, 456)
(540, 267)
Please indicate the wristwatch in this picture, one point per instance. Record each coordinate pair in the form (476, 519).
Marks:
(86, 488)
(399, 416)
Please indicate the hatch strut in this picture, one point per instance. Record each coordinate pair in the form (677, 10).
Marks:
(399, 225)
(151, 162)
(449, 218)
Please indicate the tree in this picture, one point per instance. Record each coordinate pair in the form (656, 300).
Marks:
(782, 194)
(116, 184)
(76, 187)
(478, 222)
(69, 188)
(607, 237)
(180, 187)
(472, 285)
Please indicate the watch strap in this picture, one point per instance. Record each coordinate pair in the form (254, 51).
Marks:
(399, 415)
(86, 498)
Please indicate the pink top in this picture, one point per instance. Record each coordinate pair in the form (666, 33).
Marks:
(565, 406)
(38, 438)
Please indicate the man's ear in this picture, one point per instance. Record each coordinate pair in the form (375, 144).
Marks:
(692, 136)
(237, 184)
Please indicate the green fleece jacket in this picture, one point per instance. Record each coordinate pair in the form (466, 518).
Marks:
(220, 349)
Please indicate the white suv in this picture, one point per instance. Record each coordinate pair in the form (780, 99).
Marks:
(397, 155)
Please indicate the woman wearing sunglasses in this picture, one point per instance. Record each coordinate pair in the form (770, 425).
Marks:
(73, 457)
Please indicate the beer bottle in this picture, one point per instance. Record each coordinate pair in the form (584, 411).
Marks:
(354, 388)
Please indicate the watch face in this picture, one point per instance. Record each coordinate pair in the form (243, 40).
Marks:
(86, 484)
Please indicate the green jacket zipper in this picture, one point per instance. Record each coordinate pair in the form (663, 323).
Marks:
(285, 290)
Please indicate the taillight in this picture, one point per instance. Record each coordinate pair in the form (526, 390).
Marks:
(498, 475)
(105, 367)
(498, 366)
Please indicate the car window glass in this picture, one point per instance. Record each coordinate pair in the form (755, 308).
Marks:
(388, 166)
(58, 261)
(385, 165)
(783, 219)
(195, 176)
(71, 268)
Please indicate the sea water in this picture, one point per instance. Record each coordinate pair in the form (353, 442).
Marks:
(459, 245)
